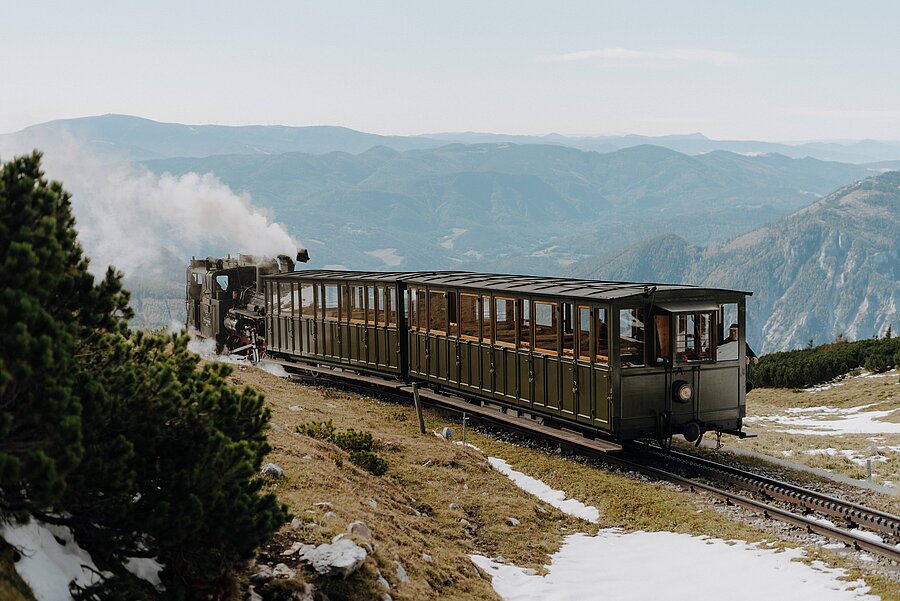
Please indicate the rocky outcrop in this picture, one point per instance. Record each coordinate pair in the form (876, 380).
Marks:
(340, 558)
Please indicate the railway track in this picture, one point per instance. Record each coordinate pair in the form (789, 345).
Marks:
(852, 514)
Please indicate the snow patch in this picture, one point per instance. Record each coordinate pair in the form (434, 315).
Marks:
(833, 420)
(47, 565)
(145, 568)
(857, 457)
(273, 368)
(613, 565)
(551, 496)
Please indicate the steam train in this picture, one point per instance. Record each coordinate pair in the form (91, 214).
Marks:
(615, 359)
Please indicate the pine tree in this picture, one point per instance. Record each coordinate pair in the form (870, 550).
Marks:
(48, 305)
(119, 435)
(172, 451)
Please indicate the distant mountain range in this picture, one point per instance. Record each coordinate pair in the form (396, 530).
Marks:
(830, 268)
(509, 207)
(123, 137)
(864, 151)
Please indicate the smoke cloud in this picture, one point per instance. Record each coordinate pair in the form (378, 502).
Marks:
(142, 223)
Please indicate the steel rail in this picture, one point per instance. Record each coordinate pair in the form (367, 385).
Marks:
(853, 514)
(397, 390)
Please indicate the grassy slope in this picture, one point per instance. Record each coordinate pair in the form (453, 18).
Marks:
(882, 393)
(427, 474)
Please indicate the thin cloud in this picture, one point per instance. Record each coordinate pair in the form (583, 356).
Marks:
(665, 57)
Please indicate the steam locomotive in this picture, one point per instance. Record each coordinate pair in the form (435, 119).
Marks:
(224, 301)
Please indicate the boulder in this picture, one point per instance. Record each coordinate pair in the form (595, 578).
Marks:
(340, 558)
(359, 528)
(272, 471)
(448, 433)
(262, 574)
(512, 521)
(297, 547)
(383, 582)
(427, 558)
(401, 572)
(283, 571)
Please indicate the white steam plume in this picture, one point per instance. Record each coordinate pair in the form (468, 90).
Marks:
(129, 217)
(137, 221)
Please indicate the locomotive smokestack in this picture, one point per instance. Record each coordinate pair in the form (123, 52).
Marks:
(302, 255)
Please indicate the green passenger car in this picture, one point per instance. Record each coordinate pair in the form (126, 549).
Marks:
(622, 360)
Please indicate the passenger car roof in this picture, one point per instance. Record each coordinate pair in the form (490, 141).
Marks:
(521, 284)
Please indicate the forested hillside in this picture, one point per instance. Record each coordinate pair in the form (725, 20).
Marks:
(529, 209)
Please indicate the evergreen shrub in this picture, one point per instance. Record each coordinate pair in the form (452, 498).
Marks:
(807, 367)
(359, 444)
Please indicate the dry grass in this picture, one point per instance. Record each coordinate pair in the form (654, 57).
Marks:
(412, 516)
(12, 588)
(426, 474)
(883, 393)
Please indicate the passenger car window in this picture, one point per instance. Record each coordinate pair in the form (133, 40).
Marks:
(306, 300)
(345, 304)
(663, 346)
(693, 337)
(437, 311)
(727, 343)
(602, 329)
(546, 327)
(391, 306)
(272, 298)
(286, 298)
(568, 329)
(452, 314)
(468, 316)
(505, 320)
(371, 305)
(584, 333)
(331, 302)
(375, 310)
(413, 314)
(357, 304)
(525, 324)
(422, 309)
(631, 337)
(486, 319)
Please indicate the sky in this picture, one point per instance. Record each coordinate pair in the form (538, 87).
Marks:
(780, 71)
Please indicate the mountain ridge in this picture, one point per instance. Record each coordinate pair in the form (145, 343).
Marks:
(126, 137)
(828, 269)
